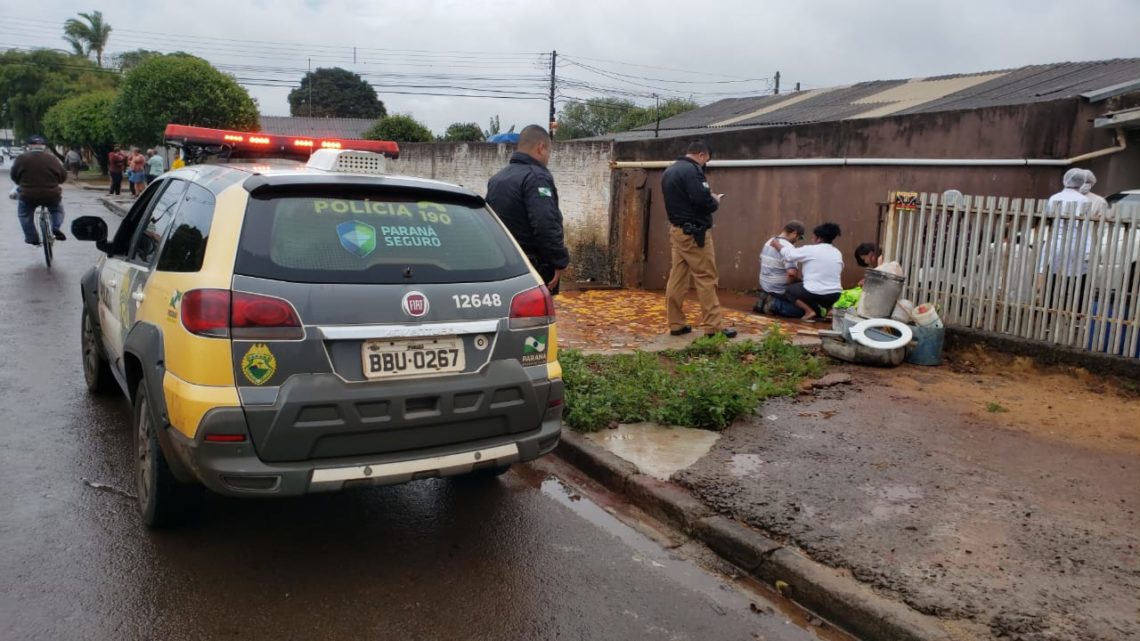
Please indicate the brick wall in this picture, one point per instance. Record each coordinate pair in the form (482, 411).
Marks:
(581, 172)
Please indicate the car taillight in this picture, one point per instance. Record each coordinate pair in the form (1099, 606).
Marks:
(255, 317)
(206, 312)
(219, 314)
(532, 308)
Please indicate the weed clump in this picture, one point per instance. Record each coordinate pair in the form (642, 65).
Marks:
(708, 384)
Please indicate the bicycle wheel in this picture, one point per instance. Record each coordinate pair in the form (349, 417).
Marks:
(46, 237)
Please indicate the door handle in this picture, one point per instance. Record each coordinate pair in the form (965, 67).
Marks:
(112, 284)
(138, 296)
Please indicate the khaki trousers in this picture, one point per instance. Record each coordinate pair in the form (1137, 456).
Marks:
(699, 265)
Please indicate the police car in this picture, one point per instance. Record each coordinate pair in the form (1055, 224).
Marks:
(281, 331)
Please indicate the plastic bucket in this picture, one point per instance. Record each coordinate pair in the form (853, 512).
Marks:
(926, 316)
(881, 292)
(837, 315)
(929, 348)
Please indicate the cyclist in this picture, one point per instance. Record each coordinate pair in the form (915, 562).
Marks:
(39, 175)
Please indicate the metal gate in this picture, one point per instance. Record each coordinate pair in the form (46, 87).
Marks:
(1061, 274)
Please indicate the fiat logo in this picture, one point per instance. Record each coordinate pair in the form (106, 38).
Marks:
(415, 304)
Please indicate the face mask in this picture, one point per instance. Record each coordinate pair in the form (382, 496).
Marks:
(1086, 188)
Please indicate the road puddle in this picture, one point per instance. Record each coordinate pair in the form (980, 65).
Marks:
(656, 450)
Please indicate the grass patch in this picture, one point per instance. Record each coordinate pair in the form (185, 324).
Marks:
(708, 384)
(994, 408)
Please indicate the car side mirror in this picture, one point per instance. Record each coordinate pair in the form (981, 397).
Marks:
(91, 228)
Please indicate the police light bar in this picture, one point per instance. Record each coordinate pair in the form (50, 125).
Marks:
(263, 144)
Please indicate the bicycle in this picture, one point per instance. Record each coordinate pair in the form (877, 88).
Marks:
(47, 238)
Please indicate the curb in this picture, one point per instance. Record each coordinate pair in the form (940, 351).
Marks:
(113, 207)
(825, 591)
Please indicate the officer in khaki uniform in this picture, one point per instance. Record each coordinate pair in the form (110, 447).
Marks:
(689, 204)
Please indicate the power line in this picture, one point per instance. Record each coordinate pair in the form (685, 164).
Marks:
(616, 75)
(290, 46)
(452, 73)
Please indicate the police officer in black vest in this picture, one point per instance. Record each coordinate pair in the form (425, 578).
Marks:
(525, 199)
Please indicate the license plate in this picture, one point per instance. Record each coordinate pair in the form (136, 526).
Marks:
(393, 358)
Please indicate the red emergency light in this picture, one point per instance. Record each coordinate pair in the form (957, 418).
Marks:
(262, 144)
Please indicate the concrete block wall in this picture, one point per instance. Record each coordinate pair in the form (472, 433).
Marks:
(581, 172)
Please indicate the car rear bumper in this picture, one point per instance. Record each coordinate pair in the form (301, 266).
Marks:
(235, 469)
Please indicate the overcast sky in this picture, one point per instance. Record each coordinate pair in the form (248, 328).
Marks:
(500, 49)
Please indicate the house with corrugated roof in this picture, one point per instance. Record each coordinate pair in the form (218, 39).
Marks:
(833, 154)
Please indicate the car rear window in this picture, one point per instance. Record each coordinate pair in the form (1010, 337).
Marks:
(373, 239)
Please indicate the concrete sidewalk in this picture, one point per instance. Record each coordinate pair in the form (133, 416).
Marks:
(994, 497)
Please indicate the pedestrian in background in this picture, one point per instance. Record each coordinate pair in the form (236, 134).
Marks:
(137, 176)
(689, 204)
(1068, 256)
(74, 160)
(116, 162)
(822, 266)
(156, 165)
(524, 198)
(1098, 206)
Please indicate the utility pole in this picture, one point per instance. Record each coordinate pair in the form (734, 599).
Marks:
(657, 112)
(777, 92)
(553, 78)
(354, 55)
(310, 79)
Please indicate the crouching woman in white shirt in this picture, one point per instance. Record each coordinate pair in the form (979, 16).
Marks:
(821, 265)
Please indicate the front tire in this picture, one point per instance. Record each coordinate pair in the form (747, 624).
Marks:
(163, 501)
(96, 369)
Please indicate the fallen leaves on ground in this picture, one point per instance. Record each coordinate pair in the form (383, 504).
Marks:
(627, 319)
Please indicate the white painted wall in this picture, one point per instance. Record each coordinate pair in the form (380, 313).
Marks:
(581, 172)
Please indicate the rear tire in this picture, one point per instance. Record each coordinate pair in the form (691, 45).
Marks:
(96, 369)
(163, 501)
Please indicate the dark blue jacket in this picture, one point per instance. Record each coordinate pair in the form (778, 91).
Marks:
(525, 199)
(688, 198)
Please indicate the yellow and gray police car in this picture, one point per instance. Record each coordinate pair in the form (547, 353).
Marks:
(281, 331)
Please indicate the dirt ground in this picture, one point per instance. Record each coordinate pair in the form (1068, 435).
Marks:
(1018, 524)
(997, 495)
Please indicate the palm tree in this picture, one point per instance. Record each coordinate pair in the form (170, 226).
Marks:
(88, 36)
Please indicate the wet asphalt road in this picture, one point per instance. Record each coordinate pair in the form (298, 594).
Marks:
(523, 557)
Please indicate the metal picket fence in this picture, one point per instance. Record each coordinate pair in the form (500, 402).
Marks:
(1065, 275)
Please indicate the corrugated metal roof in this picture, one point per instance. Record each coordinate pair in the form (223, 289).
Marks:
(316, 127)
(1036, 83)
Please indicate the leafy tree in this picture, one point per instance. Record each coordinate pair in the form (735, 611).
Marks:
(337, 93)
(493, 127)
(87, 35)
(83, 121)
(463, 132)
(399, 128)
(599, 116)
(594, 117)
(638, 117)
(130, 59)
(180, 89)
(31, 82)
